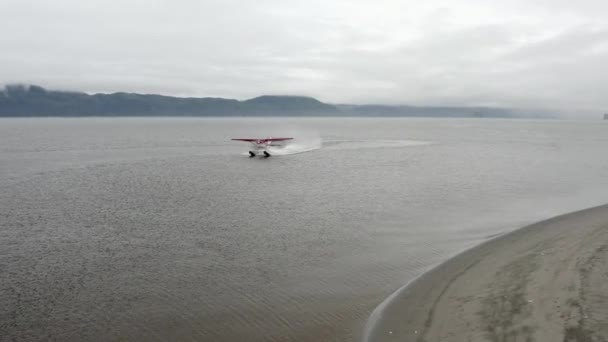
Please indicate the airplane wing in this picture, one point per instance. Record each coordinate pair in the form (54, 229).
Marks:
(278, 139)
(262, 139)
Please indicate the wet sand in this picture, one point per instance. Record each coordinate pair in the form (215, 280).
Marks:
(544, 282)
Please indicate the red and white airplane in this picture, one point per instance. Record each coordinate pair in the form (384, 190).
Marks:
(261, 145)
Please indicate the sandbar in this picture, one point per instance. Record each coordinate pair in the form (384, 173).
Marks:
(544, 282)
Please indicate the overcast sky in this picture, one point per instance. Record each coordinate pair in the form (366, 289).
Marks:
(518, 53)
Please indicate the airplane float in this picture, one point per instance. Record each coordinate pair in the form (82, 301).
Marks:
(260, 146)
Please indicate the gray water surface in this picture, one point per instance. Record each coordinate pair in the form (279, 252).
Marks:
(163, 230)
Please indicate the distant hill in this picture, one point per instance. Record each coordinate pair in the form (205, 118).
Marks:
(25, 101)
(426, 111)
(37, 101)
(287, 105)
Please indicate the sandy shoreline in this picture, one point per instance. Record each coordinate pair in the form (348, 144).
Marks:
(544, 282)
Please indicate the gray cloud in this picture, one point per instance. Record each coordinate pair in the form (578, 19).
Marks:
(549, 53)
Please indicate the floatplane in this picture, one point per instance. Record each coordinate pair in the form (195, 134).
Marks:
(260, 146)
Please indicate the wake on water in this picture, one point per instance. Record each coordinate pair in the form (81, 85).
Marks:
(378, 143)
(294, 148)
